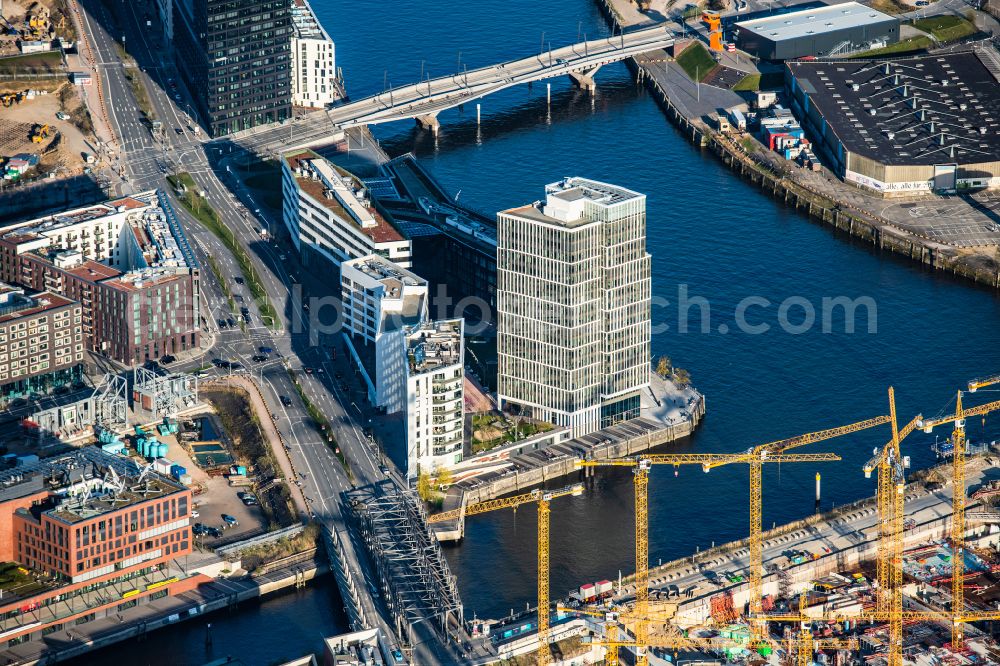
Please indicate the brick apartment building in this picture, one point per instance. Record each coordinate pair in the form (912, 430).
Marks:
(41, 341)
(129, 265)
(93, 535)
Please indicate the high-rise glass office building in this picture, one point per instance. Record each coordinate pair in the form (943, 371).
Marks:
(236, 58)
(573, 305)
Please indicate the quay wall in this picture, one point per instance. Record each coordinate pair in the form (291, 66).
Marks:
(534, 477)
(841, 215)
(137, 628)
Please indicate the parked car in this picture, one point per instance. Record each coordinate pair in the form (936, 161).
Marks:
(222, 323)
(198, 529)
(258, 358)
(230, 520)
(213, 532)
(231, 322)
(266, 350)
(167, 358)
(248, 498)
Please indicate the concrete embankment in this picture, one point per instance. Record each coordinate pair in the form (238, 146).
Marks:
(840, 214)
(532, 470)
(211, 595)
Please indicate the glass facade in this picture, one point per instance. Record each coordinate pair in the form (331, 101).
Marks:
(573, 299)
(236, 57)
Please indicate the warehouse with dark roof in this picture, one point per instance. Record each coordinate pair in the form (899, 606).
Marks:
(924, 123)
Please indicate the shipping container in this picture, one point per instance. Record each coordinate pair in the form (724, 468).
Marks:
(177, 471)
(27, 460)
(738, 119)
(162, 466)
(603, 587)
(185, 479)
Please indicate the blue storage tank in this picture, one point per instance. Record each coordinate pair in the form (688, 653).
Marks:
(141, 446)
(161, 450)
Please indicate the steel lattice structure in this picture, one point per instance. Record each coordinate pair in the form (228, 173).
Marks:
(416, 583)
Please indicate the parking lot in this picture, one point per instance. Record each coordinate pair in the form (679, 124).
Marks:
(219, 498)
(216, 498)
(962, 221)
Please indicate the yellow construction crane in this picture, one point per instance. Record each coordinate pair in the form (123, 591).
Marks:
(541, 498)
(983, 382)
(641, 466)
(804, 645)
(755, 458)
(890, 492)
(611, 618)
(958, 501)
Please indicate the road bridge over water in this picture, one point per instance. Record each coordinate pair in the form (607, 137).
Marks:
(424, 100)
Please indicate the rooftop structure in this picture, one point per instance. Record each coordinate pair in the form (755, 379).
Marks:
(58, 473)
(573, 294)
(328, 210)
(314, 70)
(128, 255)
(435, 395)
(922, 123)
(15, 304)
(305, 25)
(380, 299)
(817, 31)
(434, 345)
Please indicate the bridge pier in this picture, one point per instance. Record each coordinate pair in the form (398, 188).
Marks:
(429, 122)
(585, 78)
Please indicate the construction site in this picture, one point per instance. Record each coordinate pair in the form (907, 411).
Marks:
(45, 130)
(911, 577)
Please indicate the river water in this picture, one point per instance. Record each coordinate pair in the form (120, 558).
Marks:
(712, 237)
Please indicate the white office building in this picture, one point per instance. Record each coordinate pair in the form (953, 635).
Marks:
(313, 64)
(329, 211)
(435, 395)
(573, 305)
(380, 300)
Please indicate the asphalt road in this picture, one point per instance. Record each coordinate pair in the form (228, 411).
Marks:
(143, 161)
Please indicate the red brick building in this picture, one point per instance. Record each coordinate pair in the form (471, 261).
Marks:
(129, 265)
(91, 534)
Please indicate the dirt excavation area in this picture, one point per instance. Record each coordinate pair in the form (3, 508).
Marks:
(69, 140)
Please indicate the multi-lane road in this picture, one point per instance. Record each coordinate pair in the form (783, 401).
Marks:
(143, 160)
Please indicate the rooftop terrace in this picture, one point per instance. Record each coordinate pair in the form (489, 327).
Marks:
(304, 22)
(342, 193)
(435, 345)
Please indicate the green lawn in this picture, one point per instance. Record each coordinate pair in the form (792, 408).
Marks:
(195, 204)
(946, 28)
(905, 46)
(749, 82)
(696, 61)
